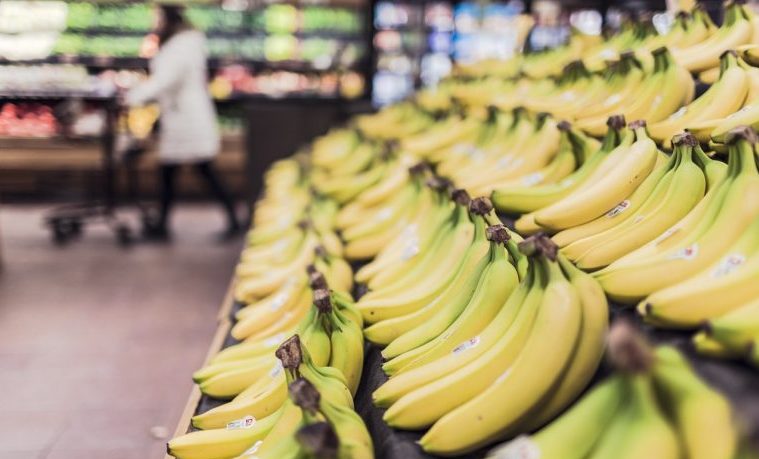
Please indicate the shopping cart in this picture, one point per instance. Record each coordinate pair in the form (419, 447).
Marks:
(121, 148)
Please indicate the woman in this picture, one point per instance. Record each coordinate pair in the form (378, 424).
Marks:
(189, 134)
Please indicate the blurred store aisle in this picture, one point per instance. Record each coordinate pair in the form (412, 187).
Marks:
(97, 343)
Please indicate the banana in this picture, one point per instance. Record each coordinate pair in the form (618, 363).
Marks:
(703, 417)
(250, 349)
(714, 170)
(656, 97)
(598, 198)
(746, 116)
(443, 135)
(577, 431)
(382, 305)
(418, 237)
(354, 441)
(724, 97)
(631, 279)
(223, 443)
(656, 182)
(453, 295)
(721, 287)
(712, 348)
(291, 301)
(736, 330)
(588, 351)
(660, 211)
(262, 399)
(535, 152)
(523, 384)
(641, 429)
(346, 341)
(525, 198)
(735, 31)
(500, 340)
(498, 281)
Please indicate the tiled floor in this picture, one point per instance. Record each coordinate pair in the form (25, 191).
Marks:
(97, 343)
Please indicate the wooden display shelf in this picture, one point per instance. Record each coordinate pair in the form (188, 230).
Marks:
(52, 168)
(225, 324)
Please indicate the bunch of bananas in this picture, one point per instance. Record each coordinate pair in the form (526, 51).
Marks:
(395, 121)
(291, 230)
(696, 241)
(653, 406)
(740, 27)
(249, 372)
(728, 103)
(532, 344)
(621, 172)
(316, 419)
(384, 211)
(524, 198)
(668, 193)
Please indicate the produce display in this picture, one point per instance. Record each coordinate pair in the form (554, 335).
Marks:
(481, 234)
(28, 120)
(236, 80)
(39, 78)
(312, 50)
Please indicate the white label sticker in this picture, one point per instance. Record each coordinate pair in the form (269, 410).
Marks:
(276, 370)
(279, 300)
(665, 235)
(745, 109)
(503, 376)
(612, 99)
(504, 162)
(411, 230)
(678, 114)
(384, 214)
(532, 179)
(468, 344)
(245, 423)
(476, 154)
(686, 253)
(274, 340)
(463, 148)
(521, 447)
(618, 209)
(281, 245)
(410, 250)
(728, 264)
(253, 449)
(283, 222)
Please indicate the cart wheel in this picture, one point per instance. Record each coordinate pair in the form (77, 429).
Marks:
(60, 235)
(75, 227)
(124, 235)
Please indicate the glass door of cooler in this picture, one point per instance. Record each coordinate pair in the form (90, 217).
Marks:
(485, 30)
(413, 44)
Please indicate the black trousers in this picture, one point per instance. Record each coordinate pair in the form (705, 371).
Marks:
(206, 171)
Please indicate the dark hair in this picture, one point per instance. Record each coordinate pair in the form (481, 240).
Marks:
(173, 22)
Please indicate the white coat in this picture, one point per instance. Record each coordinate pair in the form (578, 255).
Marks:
(179, 83)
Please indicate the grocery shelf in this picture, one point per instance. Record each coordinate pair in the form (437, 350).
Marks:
(111, 62)
(54, 95)
(225, 33)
